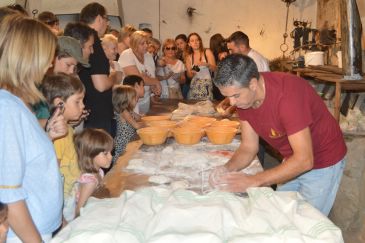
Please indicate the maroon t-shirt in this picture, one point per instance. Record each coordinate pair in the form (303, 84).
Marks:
(290, 105)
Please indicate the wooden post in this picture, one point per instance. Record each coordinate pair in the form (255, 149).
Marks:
(351, 31)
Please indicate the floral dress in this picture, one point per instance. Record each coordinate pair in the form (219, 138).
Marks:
(125, 133)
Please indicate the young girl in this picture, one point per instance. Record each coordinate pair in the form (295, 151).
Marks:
(93, 148)
(124, 100)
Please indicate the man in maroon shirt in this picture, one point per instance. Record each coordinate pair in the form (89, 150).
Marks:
(287, 113)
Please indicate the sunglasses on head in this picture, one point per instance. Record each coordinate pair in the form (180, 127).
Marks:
(170, 48)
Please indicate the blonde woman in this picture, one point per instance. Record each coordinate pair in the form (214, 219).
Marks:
(124, 37)
(30, 183)
(137, 61)
(199, 63)
(172, 73)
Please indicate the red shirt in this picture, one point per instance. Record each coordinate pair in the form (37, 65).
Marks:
(290, 105)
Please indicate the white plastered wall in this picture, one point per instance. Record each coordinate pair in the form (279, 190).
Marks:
(262, 20)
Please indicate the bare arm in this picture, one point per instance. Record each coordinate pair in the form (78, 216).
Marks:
(188, 66)
(247, 151)
(182, 78)
(300, 162)
(128, 117)
(211, 60)
(21, 222)
(102, 82)
(86, 189)
(132, 70)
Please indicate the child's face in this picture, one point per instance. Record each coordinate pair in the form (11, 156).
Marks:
(74, 107)
(139, 90)
(103, 159)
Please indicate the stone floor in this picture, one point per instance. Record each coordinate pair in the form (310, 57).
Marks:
(348, 211)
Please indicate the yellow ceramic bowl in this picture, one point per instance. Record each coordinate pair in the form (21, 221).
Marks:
(225, 123)
(153, 135)
(154, 118)
(187, 135)
(201, 121)
(220, 135)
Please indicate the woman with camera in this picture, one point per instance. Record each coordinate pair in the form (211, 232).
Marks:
(199, 63)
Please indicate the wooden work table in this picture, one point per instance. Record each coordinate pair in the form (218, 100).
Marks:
(334, 76)
(116, 181)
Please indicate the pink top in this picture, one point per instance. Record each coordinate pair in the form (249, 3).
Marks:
(87, 178)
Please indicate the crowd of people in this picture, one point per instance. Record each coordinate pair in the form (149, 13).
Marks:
(71, 100)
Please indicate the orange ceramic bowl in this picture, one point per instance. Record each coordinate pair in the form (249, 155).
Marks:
(225, 123)
(187, 135)
(154, 118)
(153, 135)
(167, 124)
(220, 135)
(162, 123)
(201, 121)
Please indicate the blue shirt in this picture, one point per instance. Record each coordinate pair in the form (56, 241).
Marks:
(28, 165)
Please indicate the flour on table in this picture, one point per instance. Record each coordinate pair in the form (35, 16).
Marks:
(159, 179)
(188, 166)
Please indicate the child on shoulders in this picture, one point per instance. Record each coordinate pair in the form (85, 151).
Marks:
(93, 148)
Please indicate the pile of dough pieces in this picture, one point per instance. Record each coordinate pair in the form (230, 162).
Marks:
(202, 108)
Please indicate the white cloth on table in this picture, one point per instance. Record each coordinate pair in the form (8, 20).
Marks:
(156, 214)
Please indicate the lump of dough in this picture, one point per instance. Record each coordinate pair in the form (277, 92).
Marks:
(159, 179)
(183, 184)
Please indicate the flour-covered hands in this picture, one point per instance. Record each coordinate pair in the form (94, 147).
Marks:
(236, 182)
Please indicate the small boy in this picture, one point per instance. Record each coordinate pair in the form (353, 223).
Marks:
(66, 91)
(138, 84)
(4, 225)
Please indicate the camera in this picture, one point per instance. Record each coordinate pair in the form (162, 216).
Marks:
(195, 68)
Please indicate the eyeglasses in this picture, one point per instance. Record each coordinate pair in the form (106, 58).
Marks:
(170, 48)
(106, 18)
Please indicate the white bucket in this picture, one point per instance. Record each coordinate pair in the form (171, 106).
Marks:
(339, 59)
(313, 58)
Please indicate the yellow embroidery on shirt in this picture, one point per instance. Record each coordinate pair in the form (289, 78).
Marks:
(274, 134)
(9, 187)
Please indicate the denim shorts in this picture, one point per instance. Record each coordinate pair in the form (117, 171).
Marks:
(318, 186)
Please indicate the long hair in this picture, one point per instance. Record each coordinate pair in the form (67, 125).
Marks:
(88, 144)
(23, 65)
(123, 98)
(201, 47)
